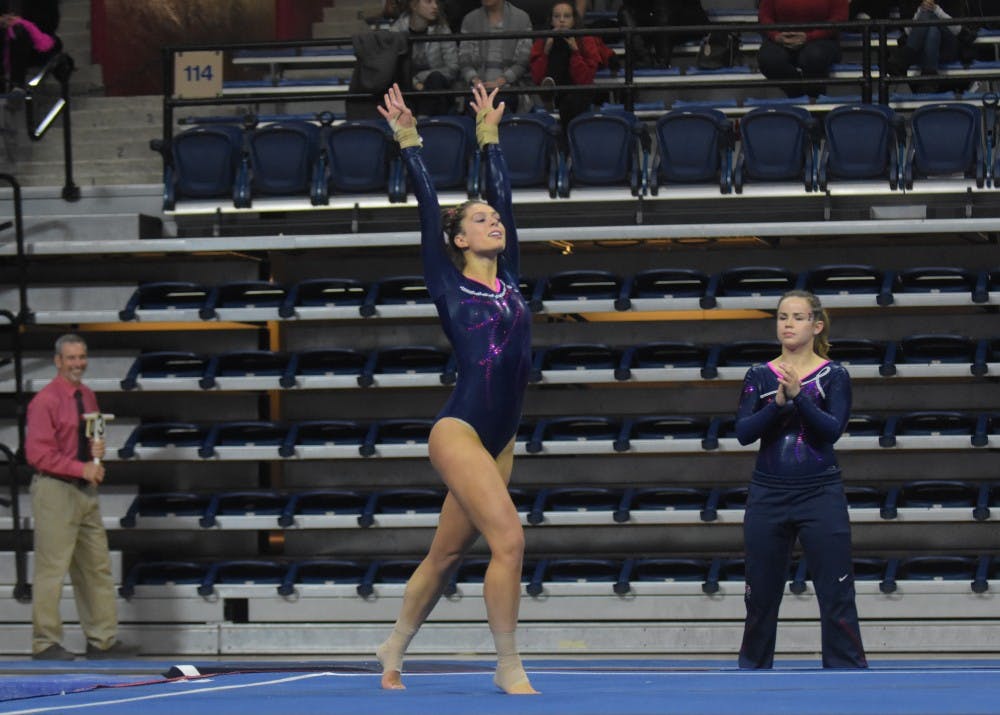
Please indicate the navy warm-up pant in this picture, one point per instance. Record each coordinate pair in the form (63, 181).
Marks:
(818, 517)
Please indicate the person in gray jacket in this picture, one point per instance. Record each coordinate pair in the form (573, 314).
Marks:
(432, 65)
(497, 63)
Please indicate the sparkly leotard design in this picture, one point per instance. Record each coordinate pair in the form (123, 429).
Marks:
(796, 440)
(489, 330)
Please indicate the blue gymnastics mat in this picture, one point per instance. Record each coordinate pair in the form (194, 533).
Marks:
(568, 687)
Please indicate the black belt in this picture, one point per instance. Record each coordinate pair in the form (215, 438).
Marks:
(76, 482)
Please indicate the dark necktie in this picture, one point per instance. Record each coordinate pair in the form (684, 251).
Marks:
(82, 443)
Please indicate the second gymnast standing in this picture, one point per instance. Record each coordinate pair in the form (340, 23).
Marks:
(470, 258)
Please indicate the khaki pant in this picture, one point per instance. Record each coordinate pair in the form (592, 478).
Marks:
(70, 538)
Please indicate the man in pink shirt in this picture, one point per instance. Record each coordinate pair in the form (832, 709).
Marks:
(69, 535)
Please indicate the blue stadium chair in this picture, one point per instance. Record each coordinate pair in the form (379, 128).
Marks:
(164, 295)
(396, 290)
(723, 498)
(748, 281)
(868, 568)
(863, 497)
(931, 494)
(578, 358)
(361, 158)
(987, 353)
(863, 142)
(929, 568)
(933, 349)
(242, 503)
(607, 149)
(285, 160)
(162, 365)
(243, 363)
(658, 428)
(242, 572)
(244, 433)
(389, 571)
(164, 504)
(578, 286)
(776, 146)
(573, 570)
(986, 282)
(323, 361)
(661, 284)
(928, 423)
(163, 434)
(406, 360)
(575, 499)
(323, 292)
(401, 501)
(946, 139)
(932, 280)
(843, 279)
(859, 351)
(739, 353)
(659, 499)
(322, 502)
(242, 294)
(660, 570)
(206, 162)
(694, 146)
(450, 153)
(323, 433)
(530, 144)
(723, 569)
(660, 355)
(160, 573)
(395, 432)
(861, 425)
(576, 429)
(325, 572)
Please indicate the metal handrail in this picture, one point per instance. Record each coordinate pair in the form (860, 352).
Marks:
(61, 67)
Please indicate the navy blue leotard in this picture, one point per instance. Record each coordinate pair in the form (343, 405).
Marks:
(489, 330)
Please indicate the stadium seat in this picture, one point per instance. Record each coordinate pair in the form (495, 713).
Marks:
(243, 363)
(776, 146)
(323, 292)
(530, 144)
(739, 354)
(660, 570)
(322, 502)
(607, 149)
(933, 349)
(323, 362)
(930, 494)
(723, 569)
(401, 501)
(242, 503)
(285, 161)
(242, 572)
(946, 140)
(659, 499)
(650, 432)
(160, 435)
(843, 279)
(749, 282)
(388, 571)
(395, 290)
(406, 432)
(928, 568)
(723, 498)
(573, 570)
(163, 505)
(325, 572)
(660, 356)
(862, 142)
(987, 282)
(863, 497)
(166, 296)
(928, 423)
(242, 295)
(858, 351)
(206, 162)
(240, 435)
(931, 281)
(577, 288)
(163, 365)
(361, 159)
(408, 360)
(323, 434)
(576, 359)
(159, 573)
(678, 286)
(576, 499)
(450, 154)
(693, 146)
(594, 429)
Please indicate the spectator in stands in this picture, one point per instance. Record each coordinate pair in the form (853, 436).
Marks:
(496, 63)
(559, 61)
(931, 46)
(473, 277)
(69, 533)
(871, 9)
(29, 39)
(800, 54)
(797, 405)
(657, 49)
(432, 65)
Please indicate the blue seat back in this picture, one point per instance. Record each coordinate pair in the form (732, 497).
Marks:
(528, 142)
(602, 148)
(689, 142)
(359, 153)
(206, 160)
(448, 145)
(283, 157)
(777, 143)
(860, 141)
(945, 139)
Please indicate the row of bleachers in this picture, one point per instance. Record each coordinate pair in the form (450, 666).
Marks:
(918, 500)
(934, 355)
(253, 440)
(540, 577)
(694, 146)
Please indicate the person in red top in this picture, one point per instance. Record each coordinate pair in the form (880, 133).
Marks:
(567, 60)
(800, 54)
(69, 534)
